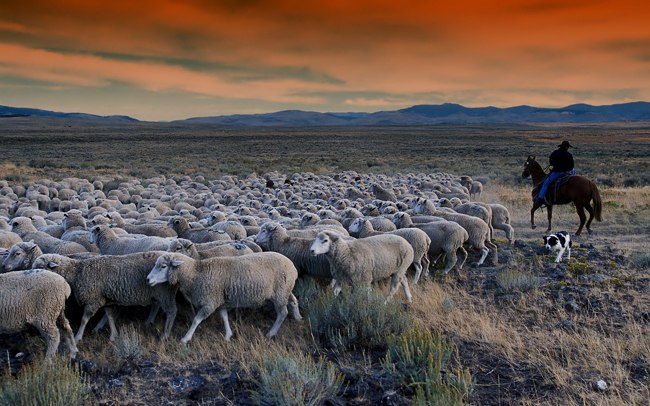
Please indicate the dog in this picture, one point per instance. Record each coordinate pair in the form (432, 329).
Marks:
(559, 243)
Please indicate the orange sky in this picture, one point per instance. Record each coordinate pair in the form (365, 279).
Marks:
(163, 60)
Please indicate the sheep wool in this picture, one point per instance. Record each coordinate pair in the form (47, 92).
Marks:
(36, 297)
(247, 281)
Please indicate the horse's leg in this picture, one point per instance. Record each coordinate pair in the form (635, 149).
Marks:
(532, 215)
(549, 209)
(583, 218)
(591, 217)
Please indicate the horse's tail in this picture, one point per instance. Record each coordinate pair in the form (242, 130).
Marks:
(598, 203)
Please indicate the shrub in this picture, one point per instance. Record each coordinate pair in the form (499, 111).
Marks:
(514, 280)
(358, 318)
(295, 380)
(640, 261)
(52, 383)
(127, 344)
(418, 360)
(306, 291)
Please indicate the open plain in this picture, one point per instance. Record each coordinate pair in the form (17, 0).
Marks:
(528, 330)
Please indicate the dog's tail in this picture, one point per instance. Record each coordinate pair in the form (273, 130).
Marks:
(598, 203)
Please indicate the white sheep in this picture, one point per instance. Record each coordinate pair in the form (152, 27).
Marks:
(477, 229)
(113, 280)
(501, 221)
(477, 209)
(110, 244)
(419, 240)
(36, 297)
(151, 229)
(361, 262)
(230, 282)
(187, 247)
(21, 256)
(25, 229)
(447, 237)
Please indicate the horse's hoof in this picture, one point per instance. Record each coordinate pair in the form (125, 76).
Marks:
(588, 231)
(533, 226)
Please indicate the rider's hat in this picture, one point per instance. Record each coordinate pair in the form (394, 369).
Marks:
(565, 144)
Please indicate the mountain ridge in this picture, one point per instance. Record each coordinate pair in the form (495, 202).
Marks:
(423, 114)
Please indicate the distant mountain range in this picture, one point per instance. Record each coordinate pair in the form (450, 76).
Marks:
(417, 115)
(6, 111)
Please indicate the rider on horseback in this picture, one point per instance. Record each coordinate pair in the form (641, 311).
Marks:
(561, 161)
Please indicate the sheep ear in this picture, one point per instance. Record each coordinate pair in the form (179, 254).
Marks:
(176, 263)
(188, 244)
(52, 264)
(31, 246)
(273, 227)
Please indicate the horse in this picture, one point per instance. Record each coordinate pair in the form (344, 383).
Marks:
(578, 189)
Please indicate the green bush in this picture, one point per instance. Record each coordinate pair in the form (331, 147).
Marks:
(453, 392)
(295, 380)
(306, 291)
(45, 383)
(356, 318)
(418, 361)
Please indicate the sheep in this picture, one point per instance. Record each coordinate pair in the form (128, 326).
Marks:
(477, 209)
(230, 282)
(25, 229)
(418, 239)
(501, 221)
(36, 297)
(447, 237)
(74, 226)
(361, 262)
(235, 230)
(113, 280)
(276, 238)
(8, 239)
(381, 193)
(110, 244)
(183, 229)
(21, 256)
(477, 229)
(152, 230)
(101, 219)
(187, 247)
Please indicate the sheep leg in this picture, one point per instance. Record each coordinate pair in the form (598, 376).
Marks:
(170, 311)
(51, 335)
(493, 246)
(293, 306)
(407, 291)
(451, 260)
(332, 284)
(337, 287)
(89, 311)
(111, 323)
(68, 336)
(201, 315)
(463, 257)
(394, 284)
(484, 255)
(102, 322)
(418, 272)
(155, 306)
(282, 312)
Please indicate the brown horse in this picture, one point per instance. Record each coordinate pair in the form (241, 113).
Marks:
(578, 190)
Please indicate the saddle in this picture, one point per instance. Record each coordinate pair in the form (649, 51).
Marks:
(550, 197)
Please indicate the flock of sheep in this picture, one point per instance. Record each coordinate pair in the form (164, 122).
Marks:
(224, 244)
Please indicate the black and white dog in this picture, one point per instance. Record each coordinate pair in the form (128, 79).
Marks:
(558, 243)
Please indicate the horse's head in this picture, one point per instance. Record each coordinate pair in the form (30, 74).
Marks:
(526, 173)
